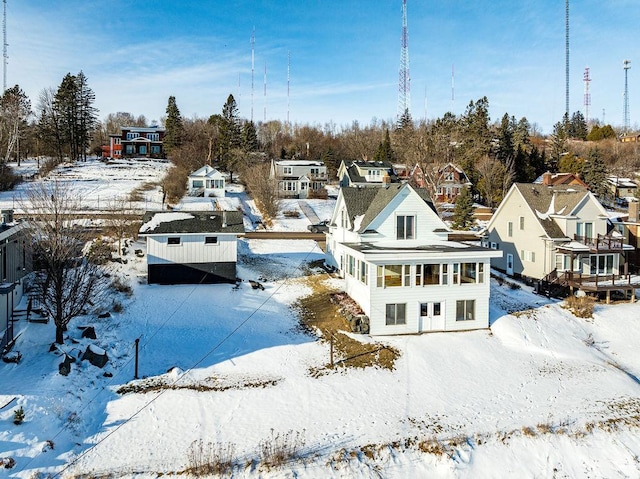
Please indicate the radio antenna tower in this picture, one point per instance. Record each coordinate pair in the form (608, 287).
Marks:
(265, 92)
(288, 78)
(567, 58)
(587, 95)
(626, 65)
(4, 46)
(253, 41)
(404, 89)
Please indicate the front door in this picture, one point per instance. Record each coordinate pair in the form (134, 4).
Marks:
(431, 316)
(509, 264)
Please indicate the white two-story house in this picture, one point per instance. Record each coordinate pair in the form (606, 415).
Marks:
(366, 173)
(393, 251)
(299, 178)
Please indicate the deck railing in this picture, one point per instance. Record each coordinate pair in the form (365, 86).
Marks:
(601, 242)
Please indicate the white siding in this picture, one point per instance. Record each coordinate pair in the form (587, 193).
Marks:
(192, 249)
(373, 300)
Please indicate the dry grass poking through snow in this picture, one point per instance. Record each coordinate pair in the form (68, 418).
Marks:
(318, 313)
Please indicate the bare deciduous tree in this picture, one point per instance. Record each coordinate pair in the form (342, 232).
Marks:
(68, 283)
(263, 189)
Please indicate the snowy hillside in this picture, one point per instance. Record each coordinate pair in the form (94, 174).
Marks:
(541, 394)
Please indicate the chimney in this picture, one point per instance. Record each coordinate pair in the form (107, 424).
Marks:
(633, 211)
(546, 178)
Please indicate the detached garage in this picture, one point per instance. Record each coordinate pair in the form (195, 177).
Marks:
(198, 247)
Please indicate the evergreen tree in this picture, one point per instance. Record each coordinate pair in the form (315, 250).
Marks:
(405, 121)
(385, 151)
(595, 173)
(66, 106)
(463, 211)
(174, 127)
(249, 137)
(87, 113)
(558, 143)
(505, 150)
(577, 126)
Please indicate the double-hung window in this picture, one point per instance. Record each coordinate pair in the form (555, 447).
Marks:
(396, 313)
(405, 227)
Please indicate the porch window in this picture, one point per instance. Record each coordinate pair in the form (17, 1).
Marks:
(584, 230)
(480, 272)
(445, 274)
(196, 183)
(468, 273)
(427, 274)
(405, 227)
(466, 310)
(601, 264)
(391, 275)
(364, 272)
(396, 314)
(456, 273)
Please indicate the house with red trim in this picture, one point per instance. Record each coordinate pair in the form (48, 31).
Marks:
(135, 142)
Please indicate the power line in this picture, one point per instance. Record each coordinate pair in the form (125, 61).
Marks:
(184, 373)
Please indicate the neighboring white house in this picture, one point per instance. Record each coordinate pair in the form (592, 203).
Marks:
(299, 178)
(192, 247)
(543, 229)
(393, 251)
(366, 173)
(207, 181)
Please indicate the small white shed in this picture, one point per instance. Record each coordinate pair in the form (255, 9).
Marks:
(208, 182)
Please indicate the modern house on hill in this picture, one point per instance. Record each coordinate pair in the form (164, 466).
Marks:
(192, 247)
(398, 264)
(136, 142)
(299, 178)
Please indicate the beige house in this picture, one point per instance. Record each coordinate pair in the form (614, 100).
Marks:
(547, 231)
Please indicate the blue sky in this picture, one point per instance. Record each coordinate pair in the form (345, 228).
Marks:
(344, 54)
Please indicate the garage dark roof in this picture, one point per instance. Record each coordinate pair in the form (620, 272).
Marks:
(174, 222)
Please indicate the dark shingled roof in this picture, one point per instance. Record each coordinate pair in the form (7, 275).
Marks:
(355, 177)
(538, 197)
(371, 201)
(201, 222)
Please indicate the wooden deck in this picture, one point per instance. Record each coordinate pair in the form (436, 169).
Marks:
(603, 283)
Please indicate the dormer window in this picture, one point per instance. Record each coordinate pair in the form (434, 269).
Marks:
(405, 227)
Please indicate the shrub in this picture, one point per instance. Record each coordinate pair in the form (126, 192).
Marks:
(121, 286)
(582, 307)
(280, 448)
(174, 184)
(211, 458)
(18, 415)
(99, 252)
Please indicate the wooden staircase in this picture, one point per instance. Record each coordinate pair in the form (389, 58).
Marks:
(553, 285)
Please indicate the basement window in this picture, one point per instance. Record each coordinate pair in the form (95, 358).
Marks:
(173, 240)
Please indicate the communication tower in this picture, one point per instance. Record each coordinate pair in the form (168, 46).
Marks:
(626, 65)
(253, 41)
(4, 46)
(404, 90)
(566, 21)
(587, 95)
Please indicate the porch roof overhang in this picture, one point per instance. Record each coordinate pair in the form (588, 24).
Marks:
(445, 250)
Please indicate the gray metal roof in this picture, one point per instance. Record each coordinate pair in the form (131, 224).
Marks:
(197, 222)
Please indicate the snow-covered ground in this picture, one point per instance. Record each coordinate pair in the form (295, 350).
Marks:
(541, 394)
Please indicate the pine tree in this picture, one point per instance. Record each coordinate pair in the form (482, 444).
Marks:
(174, 128)
(87, 113)
(15, 109)
(66, 106)
(385, 151)
(595, 173)
(463, 211)
(249, 137)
